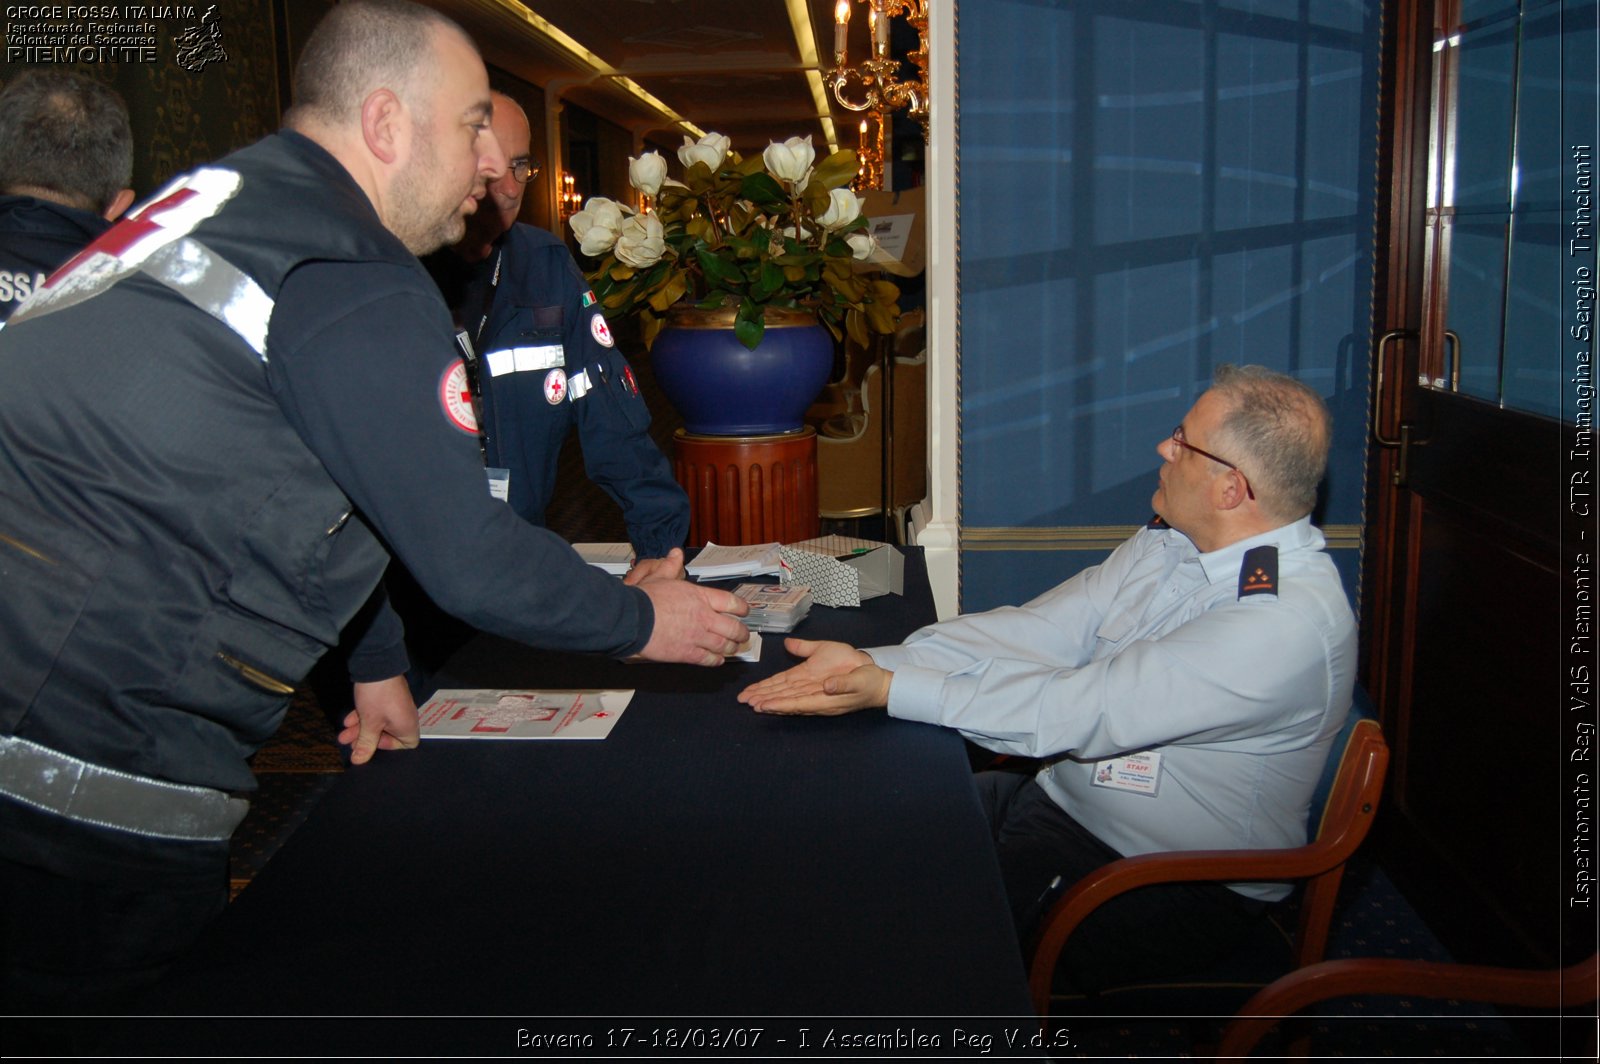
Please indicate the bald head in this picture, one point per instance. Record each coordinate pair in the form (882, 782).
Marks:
(1279, 429)
(361, 46)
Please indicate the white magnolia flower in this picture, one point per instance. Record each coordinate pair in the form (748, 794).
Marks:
(844, 207)
(647, 172)
(710, 149)
(643, 241)
(790, 161)
(597, 226)
(862, 245)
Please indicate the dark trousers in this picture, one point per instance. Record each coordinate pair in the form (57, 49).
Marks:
(90, 917)
(1162, 930)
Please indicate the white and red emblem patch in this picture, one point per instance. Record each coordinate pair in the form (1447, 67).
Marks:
(601, 331)
(555, 386)
(627, 378)
(455, 398)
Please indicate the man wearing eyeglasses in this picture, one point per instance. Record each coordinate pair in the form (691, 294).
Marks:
(1184, 692)
(547, 363)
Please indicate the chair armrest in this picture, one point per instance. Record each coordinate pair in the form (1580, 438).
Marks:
(1131, 873)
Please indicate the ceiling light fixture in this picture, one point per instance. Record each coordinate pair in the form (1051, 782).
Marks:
(806, 42)
(875, 77)
(599, 67)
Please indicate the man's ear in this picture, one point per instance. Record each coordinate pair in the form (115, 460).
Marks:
(385, 128)
(1228, 490)
(119, 203)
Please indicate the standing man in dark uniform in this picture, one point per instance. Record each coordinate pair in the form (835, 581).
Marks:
(66, 154)
(215, 422)
(547, 363)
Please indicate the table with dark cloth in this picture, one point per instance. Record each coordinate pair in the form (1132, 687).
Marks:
(702, 861)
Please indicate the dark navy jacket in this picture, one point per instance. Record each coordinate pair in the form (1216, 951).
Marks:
(204, 455)
(546, 368)
(36, 236)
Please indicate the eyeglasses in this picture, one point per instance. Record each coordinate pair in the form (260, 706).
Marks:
(1177, 438)
(523, 169)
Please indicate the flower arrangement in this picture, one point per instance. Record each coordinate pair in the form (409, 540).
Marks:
(773, 231)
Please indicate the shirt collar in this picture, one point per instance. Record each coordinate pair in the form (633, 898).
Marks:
(1222, 565)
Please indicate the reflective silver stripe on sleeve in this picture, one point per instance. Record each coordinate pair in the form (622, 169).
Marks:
(92, 794)
(216, 286)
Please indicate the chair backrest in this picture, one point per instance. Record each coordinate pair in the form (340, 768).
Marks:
(1361, 709)
(1340, 819)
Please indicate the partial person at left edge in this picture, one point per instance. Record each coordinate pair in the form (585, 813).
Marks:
(217, 425)
(66, 157)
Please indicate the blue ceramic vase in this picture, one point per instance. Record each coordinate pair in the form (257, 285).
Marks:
(723, 388)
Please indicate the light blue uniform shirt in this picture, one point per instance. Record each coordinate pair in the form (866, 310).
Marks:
(1154, 650)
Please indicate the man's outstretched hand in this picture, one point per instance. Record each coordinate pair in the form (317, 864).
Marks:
(834, 678)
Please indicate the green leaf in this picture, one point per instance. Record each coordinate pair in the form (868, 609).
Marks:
(761, 189)
(717, 270)
(767, 283)
(750, 324)
(837, 170)
(669, 293)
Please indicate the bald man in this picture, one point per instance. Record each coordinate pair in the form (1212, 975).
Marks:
(1183, 694)
(549, 365)
(213, 423)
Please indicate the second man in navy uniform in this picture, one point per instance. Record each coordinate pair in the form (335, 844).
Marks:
(546, 363)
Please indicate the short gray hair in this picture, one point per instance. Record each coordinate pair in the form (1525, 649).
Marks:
(1279, 430)
(65, 133)
(361, 46)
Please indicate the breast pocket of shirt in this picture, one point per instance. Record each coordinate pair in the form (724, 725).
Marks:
(1115, 630)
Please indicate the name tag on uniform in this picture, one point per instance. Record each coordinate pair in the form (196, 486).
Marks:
(499, 482)
(524, 359)
(1136, 773)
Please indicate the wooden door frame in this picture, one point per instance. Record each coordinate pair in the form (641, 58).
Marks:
(1398, 305)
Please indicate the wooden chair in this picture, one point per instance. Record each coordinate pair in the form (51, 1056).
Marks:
(1342, 809)
(1568, 987)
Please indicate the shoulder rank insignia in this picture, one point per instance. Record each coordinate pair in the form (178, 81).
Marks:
(1157, 522)
(1259, 573)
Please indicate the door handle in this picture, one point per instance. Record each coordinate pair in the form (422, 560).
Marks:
(1404, 441)
(1377, 387)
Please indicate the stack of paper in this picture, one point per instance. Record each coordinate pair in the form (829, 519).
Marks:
(613, 558)
(725, 563)
(774, 607)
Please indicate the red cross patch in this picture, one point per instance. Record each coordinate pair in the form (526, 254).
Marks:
(555, 386)
(456, 398)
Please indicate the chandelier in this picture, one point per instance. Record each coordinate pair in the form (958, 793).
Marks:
(872, 85)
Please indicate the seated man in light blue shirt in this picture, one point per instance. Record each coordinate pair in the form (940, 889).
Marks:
(1185, 691)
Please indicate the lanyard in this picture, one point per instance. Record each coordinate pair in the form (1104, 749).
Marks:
(469, 354)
